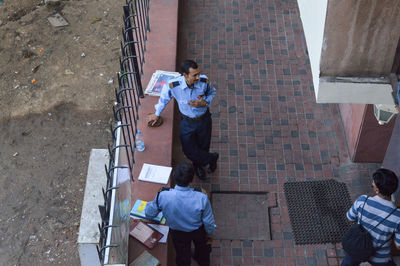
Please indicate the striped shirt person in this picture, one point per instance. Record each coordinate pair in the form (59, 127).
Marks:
(376, 209)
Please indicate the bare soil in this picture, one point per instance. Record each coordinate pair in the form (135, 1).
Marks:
(56, 94)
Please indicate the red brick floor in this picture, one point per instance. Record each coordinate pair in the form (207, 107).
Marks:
(267, 127)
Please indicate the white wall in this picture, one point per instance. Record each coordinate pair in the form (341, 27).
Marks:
(313, 15)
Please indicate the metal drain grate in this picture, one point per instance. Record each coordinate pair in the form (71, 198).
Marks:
(317, 210)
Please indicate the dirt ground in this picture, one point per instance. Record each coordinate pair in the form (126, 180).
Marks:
(56, 94)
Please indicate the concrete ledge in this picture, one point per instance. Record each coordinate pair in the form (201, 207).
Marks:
(161, 54)
(355, 90)
(89, 235)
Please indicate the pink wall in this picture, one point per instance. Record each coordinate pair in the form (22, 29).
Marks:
(352, 117)
(366, 139)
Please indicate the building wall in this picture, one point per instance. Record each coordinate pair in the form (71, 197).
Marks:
(359, 40)
(352, 115)
(366, 139)
(373, 138)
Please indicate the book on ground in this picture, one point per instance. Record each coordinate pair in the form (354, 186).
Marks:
(163, 229)
(137, 212)
(155, 173)
(145, 234)
(145, 259)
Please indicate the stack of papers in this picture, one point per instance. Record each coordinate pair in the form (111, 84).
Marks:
(155, 173)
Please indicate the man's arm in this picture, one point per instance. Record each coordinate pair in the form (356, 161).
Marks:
(151, 209)
(210, 94)
(352, 213)
(396, 239)
(208, 218)
(164, 99)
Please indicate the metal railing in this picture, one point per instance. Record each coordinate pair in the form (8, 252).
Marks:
(112, 249)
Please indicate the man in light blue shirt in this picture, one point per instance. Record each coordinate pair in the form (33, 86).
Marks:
(189, 216)
(194, 96)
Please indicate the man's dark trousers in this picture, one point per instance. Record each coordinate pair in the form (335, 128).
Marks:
(196, 138)
(182, 243)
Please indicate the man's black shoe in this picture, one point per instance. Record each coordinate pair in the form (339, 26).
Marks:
(201, 174)
(213, 163)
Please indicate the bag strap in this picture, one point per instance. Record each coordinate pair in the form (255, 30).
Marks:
(362, 210)
(380, 223)
(385, 218)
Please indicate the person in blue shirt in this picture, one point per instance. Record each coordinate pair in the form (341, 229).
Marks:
(380, 217)
(188, 214)
(194, 96)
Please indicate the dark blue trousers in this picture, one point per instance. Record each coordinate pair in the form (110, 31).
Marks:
(348, 261)
(196, 139)
(182, 243)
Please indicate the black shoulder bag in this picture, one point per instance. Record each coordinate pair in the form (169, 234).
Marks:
(357, 242)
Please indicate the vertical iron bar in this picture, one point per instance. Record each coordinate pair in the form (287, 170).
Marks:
(147, 15)
(137, 42)
(128, 31)
(142, 27)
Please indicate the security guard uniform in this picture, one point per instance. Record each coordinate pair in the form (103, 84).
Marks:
(189, 215)
(196, 125)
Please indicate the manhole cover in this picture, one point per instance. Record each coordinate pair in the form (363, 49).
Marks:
(241, 216)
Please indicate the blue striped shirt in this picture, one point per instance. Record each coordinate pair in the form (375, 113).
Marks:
(375, 210)
(183, 94)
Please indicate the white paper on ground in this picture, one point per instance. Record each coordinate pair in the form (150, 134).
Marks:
(155, 173)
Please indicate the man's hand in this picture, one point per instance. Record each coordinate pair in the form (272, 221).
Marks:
(153, 120)
(198, 103)
(209, 239)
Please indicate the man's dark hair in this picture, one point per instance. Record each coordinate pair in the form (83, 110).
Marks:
(188, 64)
(183, 174)
(386, 181)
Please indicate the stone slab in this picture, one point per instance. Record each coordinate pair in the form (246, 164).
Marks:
(241, 216)
(57, 20)
(89, 235)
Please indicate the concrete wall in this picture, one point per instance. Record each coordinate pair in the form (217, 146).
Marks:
(355, 90)
(361, 37)
(357, 39)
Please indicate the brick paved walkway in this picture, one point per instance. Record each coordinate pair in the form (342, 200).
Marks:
(267, 127)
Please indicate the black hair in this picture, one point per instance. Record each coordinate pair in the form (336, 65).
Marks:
(188, 64)
(183, 174)
(386, 181)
